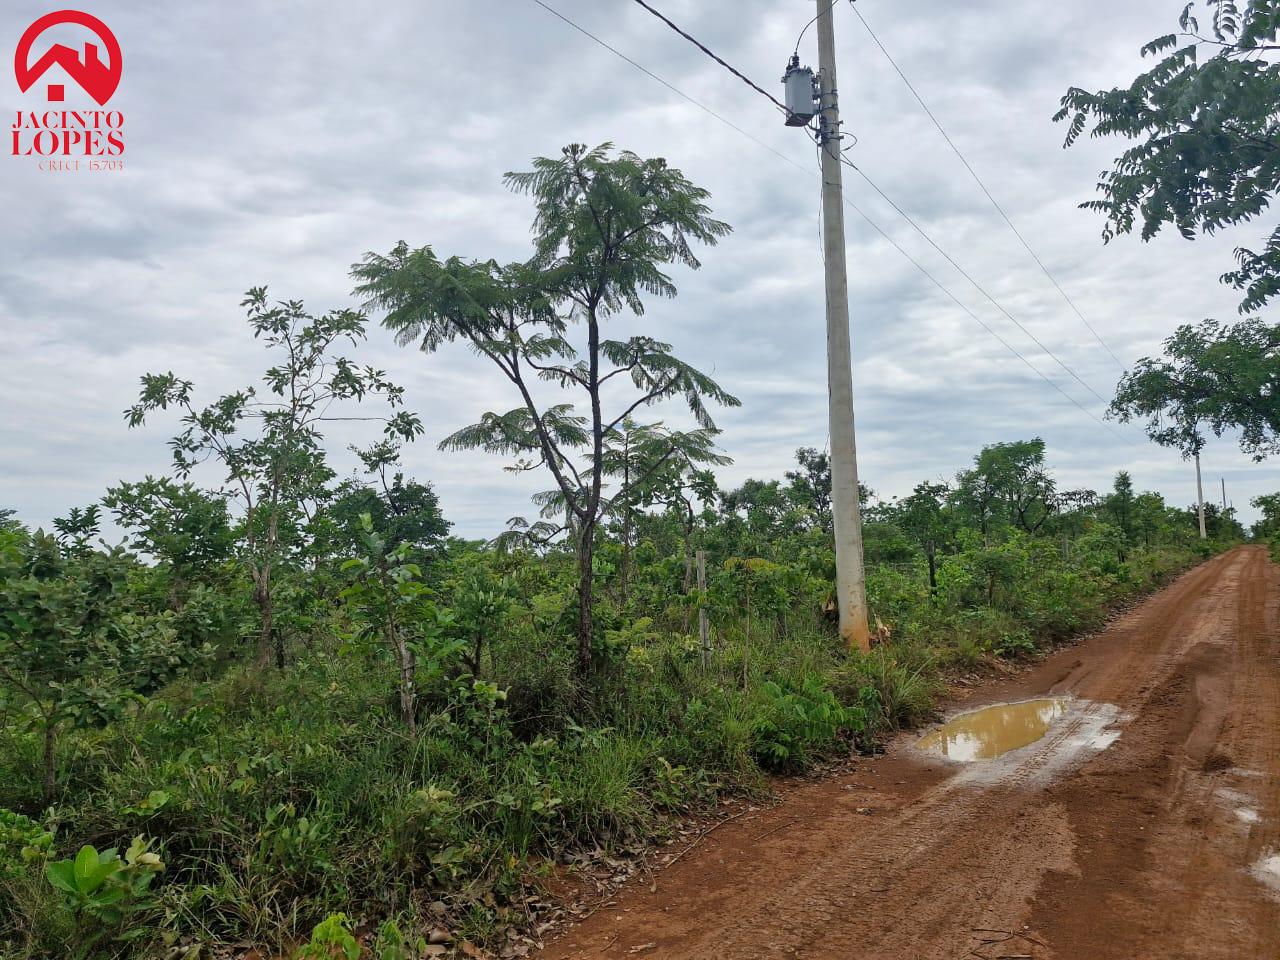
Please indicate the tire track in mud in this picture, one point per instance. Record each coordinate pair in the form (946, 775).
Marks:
(1056, 850)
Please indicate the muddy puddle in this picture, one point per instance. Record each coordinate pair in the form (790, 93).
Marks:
(993, 731)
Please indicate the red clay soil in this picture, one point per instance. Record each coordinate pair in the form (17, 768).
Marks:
(1145, 824)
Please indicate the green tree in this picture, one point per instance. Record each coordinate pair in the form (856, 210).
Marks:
(79, 528)
(927, 518)
(1269, 523)
(71, 651)
(270, 442)
(388, 592)
(605, 228)
(810, 484)
(1150, 518)
(1008, 484)
(1223, 377)
(1207, 156)
(1119, 506)
(1208, 135)
(176, 524)
(401, 510)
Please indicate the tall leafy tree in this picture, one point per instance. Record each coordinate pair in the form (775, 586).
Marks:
(1204, 117)
(1268, 525)
(1211, 376)
(928, 518)
(1008, 484)
(176, 524)
(810, 484)
(606, 227)
(1206, 123)
(269, 442)
(1119, 505)
(651, 465)
(400, 510)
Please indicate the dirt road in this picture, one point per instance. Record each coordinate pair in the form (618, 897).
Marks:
(1145, 824)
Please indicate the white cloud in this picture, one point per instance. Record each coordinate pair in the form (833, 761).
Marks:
(277, 142)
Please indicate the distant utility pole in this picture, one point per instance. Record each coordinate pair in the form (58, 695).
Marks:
(1200, 499)
(1224, 495)
(851, 584)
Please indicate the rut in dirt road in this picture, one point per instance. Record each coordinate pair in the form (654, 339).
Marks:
(1141, 825)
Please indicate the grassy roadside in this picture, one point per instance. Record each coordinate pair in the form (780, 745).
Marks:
(276, 799)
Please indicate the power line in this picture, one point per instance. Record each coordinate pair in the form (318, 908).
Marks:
(896, 208)
(853, 206)
(965, 273)
(811, 23)
(698, 43)
(982, 323)
(901, 212)
(982, 186)
(653, 76)
(954, 299)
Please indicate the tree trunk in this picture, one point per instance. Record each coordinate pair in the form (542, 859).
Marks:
(50, 760)
(266, 614)
(688, 576)
(408, 666)
(626, 517)
(586, 548)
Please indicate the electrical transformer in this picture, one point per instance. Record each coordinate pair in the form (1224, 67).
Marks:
(797, 84)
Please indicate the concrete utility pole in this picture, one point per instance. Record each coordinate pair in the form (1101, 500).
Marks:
(1224, 495)
(851, 584)
(1200, 499)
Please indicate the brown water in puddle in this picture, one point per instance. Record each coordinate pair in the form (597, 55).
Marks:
(995, 730)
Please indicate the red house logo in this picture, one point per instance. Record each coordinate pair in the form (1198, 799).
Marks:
(99, 80)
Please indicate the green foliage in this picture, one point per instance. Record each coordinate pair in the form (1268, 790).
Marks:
(895, 691)
(1207, 135)
(331, 940)
(72, 651)
(1008, 484)
(1224, 377)
(22, 842)
(798, 723)
(401, 511)
(393, 944)
(1269, 523)
(177, 525)
(271, 442)
(102, 891)
(432, 741)
(605, 228)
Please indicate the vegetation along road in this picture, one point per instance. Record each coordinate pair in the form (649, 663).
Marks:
(1144, 823)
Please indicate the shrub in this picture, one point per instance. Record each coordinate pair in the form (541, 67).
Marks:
(797, 723)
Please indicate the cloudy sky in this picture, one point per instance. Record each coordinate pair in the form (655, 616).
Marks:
(274, 143)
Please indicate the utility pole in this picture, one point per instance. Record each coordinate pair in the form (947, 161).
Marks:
(851, 584)
(1200, 499)
(1224, 496)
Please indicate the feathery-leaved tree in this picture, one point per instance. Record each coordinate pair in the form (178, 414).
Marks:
(606, 226)
(651, 464)
(1208, 135)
